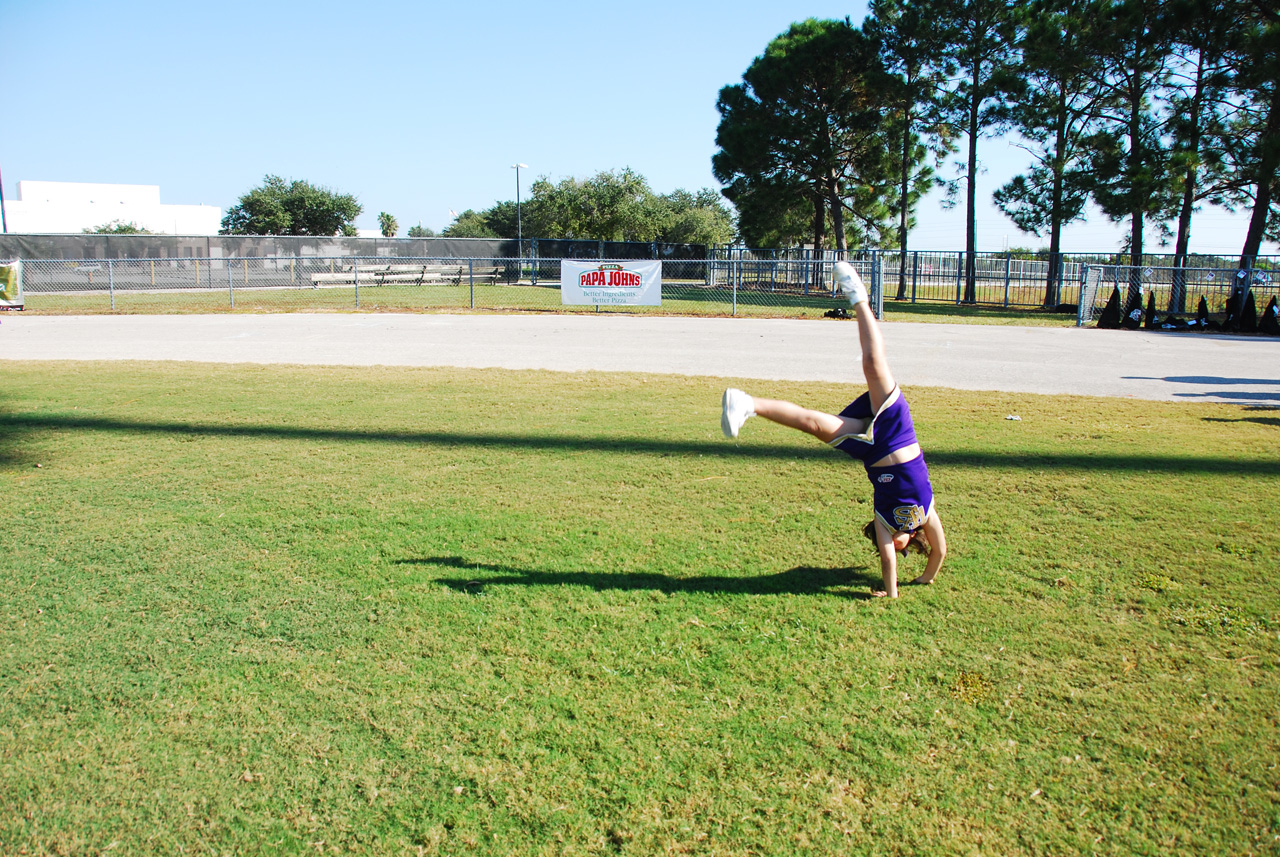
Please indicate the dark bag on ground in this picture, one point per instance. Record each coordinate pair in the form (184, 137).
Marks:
(1270, 321)
(1133, 313)
(1249, 315)
(1110, 318)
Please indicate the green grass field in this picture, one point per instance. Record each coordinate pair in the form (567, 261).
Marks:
(390, 611)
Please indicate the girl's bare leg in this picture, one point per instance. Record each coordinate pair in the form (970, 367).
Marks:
(875, 365)
(825, 427)
(738, 406)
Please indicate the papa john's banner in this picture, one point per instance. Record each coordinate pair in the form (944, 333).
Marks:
(11, 284)
(624, 283)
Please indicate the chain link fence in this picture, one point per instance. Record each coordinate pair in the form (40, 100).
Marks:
(1173, 291)
(1002, 280)
(1011, 280)
(311, 284)
(728, 282)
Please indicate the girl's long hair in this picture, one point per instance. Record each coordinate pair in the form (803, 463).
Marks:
(918, 543)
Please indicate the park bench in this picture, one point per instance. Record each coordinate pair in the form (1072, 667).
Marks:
(417, 275)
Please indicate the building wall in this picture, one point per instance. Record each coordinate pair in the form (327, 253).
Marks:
(69, 207)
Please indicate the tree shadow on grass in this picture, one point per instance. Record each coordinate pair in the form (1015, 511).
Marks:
(1265, 421)
(802, 580)
(10, 451)
(13, 425)
(1246, 397)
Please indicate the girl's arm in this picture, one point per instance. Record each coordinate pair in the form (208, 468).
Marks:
(888, 562)
(938, 548)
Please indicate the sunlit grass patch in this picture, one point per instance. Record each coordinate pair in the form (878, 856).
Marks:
(299, 610)
(1157, 582)
(971, 687)
(1215, 619)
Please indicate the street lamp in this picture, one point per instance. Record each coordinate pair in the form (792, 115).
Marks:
(519, 228)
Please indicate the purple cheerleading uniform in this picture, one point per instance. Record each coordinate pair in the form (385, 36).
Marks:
(901, 493)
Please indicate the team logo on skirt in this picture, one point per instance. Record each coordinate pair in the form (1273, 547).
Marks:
(909, 517)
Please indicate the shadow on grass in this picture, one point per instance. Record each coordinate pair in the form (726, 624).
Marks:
(1265, 421)
(1247, 397)
(10, 455)
(1244, 397)
(12, 424)
(801, 580)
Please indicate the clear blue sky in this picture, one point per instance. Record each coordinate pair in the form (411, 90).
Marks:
(416, 108)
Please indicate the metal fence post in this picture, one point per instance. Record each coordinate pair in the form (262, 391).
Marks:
(231, 289)
(880, 266)
(1084, 278)
(1059, 279)
(877, 281)
(734, 281)
(959, 272)
(111, 282)
(533, 277)
(915, 273)
(471, 277)
(355, 277)
(1007, 256)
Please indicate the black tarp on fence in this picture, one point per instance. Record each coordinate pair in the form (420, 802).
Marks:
(57, 247)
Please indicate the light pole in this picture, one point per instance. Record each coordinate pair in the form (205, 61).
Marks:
(519, 227)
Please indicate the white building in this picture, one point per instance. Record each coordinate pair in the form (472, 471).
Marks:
(71, 207)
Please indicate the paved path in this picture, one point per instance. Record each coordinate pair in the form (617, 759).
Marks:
(1160, 366)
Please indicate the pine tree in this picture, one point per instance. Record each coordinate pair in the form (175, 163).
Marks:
(1050, 101)
(980, 38)
(806, 123)
(911, 48)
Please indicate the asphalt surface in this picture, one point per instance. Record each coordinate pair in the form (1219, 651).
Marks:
(1136, 364)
